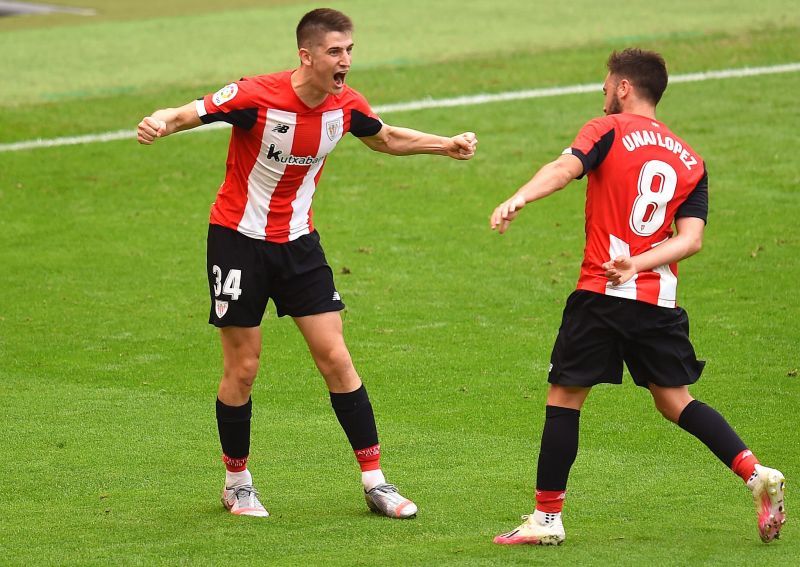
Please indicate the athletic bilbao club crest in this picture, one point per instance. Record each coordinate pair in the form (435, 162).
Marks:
(333, 127)
(221, 307)
(225, 94)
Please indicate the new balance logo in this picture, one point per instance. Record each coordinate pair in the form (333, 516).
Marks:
(281, 128)
(336, 296)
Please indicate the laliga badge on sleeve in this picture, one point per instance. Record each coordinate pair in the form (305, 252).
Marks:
(225, 94)
(221, 307)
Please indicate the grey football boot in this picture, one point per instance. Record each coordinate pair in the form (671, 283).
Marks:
(384, 499)
(243, 501)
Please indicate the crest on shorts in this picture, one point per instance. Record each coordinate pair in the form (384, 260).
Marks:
(225, 94)
(221, 307)
(332, 127)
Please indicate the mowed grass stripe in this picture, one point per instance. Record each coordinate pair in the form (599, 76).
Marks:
(467, 100)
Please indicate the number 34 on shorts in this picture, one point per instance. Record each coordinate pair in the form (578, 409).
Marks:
(232, 285)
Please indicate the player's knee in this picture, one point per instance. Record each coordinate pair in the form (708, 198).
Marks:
(243, 371)
(668, 410)
(334, 362)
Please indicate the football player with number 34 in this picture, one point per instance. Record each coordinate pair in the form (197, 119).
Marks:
(642, 180)
(262, 242)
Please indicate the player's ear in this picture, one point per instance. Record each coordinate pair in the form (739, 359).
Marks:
(624, 87)
(305, 56)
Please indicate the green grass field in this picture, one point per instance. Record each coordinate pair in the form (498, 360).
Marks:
(108, 368)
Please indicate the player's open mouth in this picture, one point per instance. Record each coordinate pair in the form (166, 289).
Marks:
(338, 78)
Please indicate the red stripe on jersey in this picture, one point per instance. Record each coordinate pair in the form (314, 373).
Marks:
(346, 120)
(305, 143)
(648, 286)
(228, 208)
(311, 210)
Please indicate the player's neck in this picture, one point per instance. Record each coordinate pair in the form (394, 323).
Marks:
(310, 95)
(640, 109)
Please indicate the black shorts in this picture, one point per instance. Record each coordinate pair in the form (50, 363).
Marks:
(244, 273)
(598, 332)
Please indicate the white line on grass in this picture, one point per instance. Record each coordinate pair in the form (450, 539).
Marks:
(428, 103)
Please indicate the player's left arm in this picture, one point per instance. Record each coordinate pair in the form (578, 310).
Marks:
(687, 241)
(399, 141)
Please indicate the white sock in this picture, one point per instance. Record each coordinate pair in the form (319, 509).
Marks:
(238, 478)
(371, 479)
(545, 518)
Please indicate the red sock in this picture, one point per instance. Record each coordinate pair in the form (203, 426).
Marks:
(235, 465)
(744, 464)
(369, 458)
(550, 501)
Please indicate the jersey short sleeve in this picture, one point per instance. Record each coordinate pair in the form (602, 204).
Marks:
(363, 120)
(593, 143)
(234, 103)
(696, 204)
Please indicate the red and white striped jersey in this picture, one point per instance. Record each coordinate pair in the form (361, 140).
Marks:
(641, 177)
(277, 150)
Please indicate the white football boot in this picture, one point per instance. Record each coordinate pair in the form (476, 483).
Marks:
(767, 487)
(533, 532)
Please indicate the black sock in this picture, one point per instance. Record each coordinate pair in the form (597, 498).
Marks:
(233, 423)
(559, 447)
(354, 412)
(705, 423)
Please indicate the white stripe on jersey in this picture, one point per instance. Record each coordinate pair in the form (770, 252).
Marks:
(668, 286)
(617, 247)
(301, 205)
(266, 173)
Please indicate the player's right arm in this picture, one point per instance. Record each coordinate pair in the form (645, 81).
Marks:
(587, 151)
(687, 241)
(167, 121)
(549, 179)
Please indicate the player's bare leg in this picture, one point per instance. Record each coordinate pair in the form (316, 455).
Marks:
(567, 396)
(670, 402)
(241, 349)
(556, 454)
(702, 421)
(325, 338)
(324, 335)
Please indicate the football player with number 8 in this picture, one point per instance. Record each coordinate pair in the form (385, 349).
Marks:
(642, 180)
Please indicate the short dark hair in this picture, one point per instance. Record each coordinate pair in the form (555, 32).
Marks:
(321, 21)
(645, 70)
